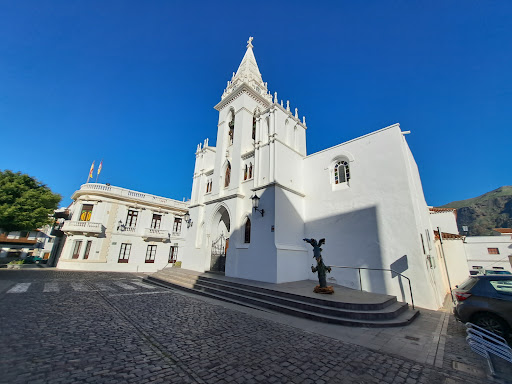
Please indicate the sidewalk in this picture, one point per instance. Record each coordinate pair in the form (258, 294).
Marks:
(434, 337)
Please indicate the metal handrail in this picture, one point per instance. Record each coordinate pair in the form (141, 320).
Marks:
(377, 269)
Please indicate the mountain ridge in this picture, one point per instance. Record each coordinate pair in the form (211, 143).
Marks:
(483, 213)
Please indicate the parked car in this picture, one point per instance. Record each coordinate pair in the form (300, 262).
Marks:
(32, 259)
(494, 272)
(489, 272)
(485, 300)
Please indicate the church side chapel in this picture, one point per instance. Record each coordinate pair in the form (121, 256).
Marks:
(257, 193)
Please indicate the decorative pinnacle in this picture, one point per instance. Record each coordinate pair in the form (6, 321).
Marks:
(249, 42)
(296, 113)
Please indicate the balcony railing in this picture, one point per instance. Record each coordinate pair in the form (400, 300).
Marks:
(159, 234)
(133, 195)
(85, 227)
(176, 233)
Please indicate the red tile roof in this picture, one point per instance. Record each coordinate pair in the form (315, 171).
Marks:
(503, 230)
(448, 236)
(437, 210)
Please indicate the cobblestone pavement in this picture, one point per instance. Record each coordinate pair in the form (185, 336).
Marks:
(64, 327)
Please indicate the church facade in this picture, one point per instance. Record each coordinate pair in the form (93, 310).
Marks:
(363, 196)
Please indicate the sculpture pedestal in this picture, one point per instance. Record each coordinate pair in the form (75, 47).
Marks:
(327, 290)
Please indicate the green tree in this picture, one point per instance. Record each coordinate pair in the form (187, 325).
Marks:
(25, 203)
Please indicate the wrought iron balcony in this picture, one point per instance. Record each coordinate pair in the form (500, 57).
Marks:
(83, 227)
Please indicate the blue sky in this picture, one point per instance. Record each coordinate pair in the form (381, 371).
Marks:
(134, 83)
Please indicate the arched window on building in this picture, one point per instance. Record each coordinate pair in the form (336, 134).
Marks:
(247, 237)
(245, 172)
(341, 172)
(227, 177)
(231, 126)
(250, 171)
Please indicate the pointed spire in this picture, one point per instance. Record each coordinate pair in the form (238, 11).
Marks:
(248, 68)
(249, 73)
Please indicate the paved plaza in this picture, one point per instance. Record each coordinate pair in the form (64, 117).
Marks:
(64, 327)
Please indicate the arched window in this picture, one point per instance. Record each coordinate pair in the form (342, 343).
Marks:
(247, 238)
(227, 178)
(250, 171)
(245, 172)
(232, 127)
(341, 172)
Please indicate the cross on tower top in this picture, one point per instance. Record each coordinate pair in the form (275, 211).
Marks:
(249, 42)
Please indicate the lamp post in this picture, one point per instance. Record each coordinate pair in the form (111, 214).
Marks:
(255, 203)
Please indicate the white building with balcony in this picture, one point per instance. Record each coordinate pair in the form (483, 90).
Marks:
(117, 229)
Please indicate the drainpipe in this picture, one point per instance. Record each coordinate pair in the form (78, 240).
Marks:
(444, 259)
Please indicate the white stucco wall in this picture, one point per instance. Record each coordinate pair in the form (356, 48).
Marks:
(453, 251)
(373, 221)
(477, 252)
(446, 221)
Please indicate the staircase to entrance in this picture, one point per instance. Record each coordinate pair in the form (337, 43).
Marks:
(345, 307)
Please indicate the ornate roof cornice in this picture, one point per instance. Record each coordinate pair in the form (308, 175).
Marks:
(237, 92)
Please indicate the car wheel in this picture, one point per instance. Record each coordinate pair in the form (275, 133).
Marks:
(492, 323)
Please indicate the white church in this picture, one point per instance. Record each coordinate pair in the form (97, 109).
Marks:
(363, 196)
(257, 194)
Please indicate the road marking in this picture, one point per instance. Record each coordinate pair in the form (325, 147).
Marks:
(19, 288)
(123, 285)
(141, 284)
(81, 287)
(51, 287)
(103, 287)
(138, 293)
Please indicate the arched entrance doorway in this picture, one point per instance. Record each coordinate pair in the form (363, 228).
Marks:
(221, 226)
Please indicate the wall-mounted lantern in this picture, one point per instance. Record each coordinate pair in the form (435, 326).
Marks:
(188, 220)
(255, 203)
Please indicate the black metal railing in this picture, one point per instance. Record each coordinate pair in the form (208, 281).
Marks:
(377, 269)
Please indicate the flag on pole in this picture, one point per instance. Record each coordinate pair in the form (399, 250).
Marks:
(99, 167)
(91, 171)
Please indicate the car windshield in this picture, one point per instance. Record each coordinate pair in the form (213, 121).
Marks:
(497, 272)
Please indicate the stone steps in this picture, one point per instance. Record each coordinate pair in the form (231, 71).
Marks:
(387, 312)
